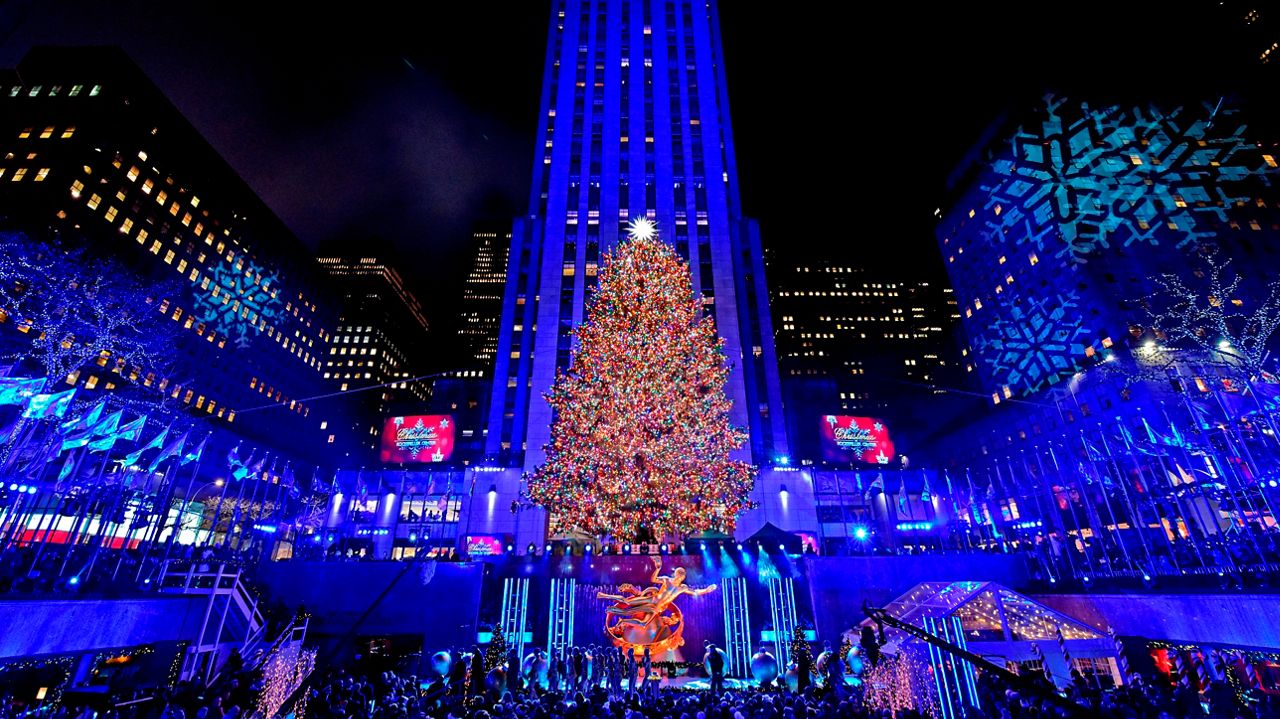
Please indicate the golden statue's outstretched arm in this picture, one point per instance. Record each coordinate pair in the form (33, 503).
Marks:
(699, 592)
(657, 567)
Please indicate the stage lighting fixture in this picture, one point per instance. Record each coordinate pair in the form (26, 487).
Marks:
(860, 533)
(626, 549)
(739, 547)
(533, 548)
(510, 548)
(548, 549)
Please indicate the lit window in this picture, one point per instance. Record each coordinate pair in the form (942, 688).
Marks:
(161, 197)
(147, 185)
(75, 90)
(111, 214)
(94, 201)
(41, 174)
(195, 201)
(24, 134)
(126, 225)
(67, 133)
(18, 174)
(46, 133)
(76, 187)
(95, 90)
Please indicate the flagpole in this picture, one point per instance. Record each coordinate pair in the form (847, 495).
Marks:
(1145, 488)
(1172, 492)
(160, 518)
(1204, 512)
(1071, 508)
(1227, 478)
(1040, 540)
(969, 509)
(1250, 464)
(256, 507)
(235, 514)
(269, 547)
(1134, 519)
(82, 526)
(1211, 454)
(1059, 527)
(182, 513)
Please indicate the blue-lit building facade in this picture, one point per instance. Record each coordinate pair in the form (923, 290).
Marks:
(92, 149)
(1100, 432)
(633, 122)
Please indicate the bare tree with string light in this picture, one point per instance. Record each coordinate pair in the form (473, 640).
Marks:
(76, 310)
(1207, 310)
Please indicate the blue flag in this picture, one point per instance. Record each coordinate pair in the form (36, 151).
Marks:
(155, 443)
(86, 420)
(194, 454)
(172, 449)
(19, 390)
(45, 406)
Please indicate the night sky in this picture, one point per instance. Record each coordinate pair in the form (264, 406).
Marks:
(379, 125)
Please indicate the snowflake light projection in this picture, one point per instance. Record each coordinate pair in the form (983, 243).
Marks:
(1074, 201)
(240, 299)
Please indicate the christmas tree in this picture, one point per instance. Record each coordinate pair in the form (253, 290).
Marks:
(641, 439)
(496, 653)
(800, 649)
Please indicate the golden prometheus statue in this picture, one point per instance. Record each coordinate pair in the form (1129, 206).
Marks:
(649, 618)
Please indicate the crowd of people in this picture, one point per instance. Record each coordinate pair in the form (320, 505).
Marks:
(621, 686)
(387, 695)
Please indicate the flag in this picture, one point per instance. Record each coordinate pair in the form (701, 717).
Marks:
(991, 489)
(975, 509)
(155, 443)
(240, 470)
(876, 486)
(1267, 392)
(67, 466)
(108, 425)
(1182, 477)
(288, 479)
(233, 457)
(170, 450)
(1234, 405)
(1203, 414)
(44, 406)
(19, 390)
(194, 455)
(133, 430)
(6, 433)
(86, 420)
(903, 502)
(926, 495)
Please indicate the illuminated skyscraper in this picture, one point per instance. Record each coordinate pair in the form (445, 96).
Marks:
(481, 320)
(856, 342)
(379, 339)
(634, 122)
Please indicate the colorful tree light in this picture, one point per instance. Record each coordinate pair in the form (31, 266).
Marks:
(641, 440)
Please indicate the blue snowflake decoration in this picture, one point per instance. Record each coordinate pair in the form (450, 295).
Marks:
(1067, 208)
(1082, 180)
(240, 300)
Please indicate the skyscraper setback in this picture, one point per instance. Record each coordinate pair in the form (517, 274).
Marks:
(634, 123)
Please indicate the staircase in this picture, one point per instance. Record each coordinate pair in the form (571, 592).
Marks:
(232, 619)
